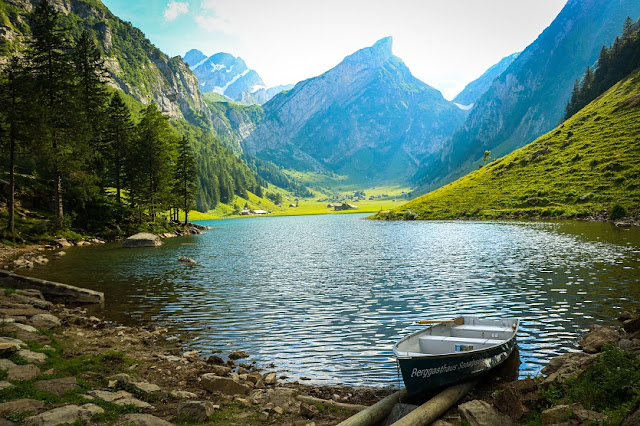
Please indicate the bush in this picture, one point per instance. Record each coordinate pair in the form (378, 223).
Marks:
(617, 212)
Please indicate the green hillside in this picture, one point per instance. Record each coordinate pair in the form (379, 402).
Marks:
(583, 167)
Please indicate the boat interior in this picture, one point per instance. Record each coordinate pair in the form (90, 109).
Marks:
(461, 335)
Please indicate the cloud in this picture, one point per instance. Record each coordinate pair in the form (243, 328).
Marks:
(175, 9)
(218, 15)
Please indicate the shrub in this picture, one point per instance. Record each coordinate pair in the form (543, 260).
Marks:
(617, 212)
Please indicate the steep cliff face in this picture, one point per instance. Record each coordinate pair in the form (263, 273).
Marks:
(135, 65)
(479, 86)
(528, 98)
(368, 118)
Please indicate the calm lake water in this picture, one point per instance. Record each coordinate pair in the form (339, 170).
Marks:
(325, 297)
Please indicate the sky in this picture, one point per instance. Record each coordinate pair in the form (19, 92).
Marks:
(445, 43)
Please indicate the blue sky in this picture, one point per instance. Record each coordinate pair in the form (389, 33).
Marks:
(445, 43)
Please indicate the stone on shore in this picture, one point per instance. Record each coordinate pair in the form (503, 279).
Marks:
(145, 388)
(23, 372)
(508, 401)
(598, 336)
(186, 259)
(142, 239)
(8, 348)
(61, 242)
(480, 413)
(238, 355)
(57, 386)
(198, 411)
(567, 365)
(183, 394)
(144, 420)
(67, 414)
(32, 357)
(5, 385)
(631, 325)
(224, 385)
(6, 364)
(559, 413)
(20, 406)
(44, 321)
(220, 370)
(121, 398)
(24, 327)
(270, 379)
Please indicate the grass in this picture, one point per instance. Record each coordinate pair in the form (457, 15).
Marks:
(586, 166)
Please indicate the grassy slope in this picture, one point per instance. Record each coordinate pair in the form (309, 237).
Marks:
(582, 167)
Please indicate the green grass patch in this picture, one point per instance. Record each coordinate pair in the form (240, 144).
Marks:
(588, 165)
(231, 413)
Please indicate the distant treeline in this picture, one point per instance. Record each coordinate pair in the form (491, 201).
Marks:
(269, 172)
(614, 63)
(107, 158)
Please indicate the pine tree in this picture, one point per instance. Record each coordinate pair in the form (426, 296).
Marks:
(185, 174)
(627, 28)
(48, 56)
(117, 140)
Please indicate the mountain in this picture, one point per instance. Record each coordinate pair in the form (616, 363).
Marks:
(368, 118)
(528, 98)
(194, 57)
(263, 95)
(584, 167)
(478, 87)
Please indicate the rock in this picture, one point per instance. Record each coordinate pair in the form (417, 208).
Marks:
(633, 418)
(215, 359)
(33, 337)
(144, 420)
(145, 388)
(308, 411)
(24, 327)
(270, 379)
(254, 377)
(186, 259)
(220, 370)
(5, 385)
(183, 394)
(57, 386)
(508, 402)
(264, 416)
(23, 263)
(196, 410)
(227, 386)
(6, 364)
(32, 357)
(8, 348)
(41, 260)
(44, 321)
(281, 397)
(238, 355)
(142, 239)
(23, 372)
(20, 406)
(559, 413)
(631, 325)
(61, 242)
(121, 398)
(397, 412)
(60, 253)
(598, 336)
(64, 415)
(480, 413)
(122, 378)
(567, 366)
(588, 417)
(625, 315)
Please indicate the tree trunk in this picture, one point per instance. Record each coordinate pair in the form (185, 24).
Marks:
(377, 412)
(12, 187)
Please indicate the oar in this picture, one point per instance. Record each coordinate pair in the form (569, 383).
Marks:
(457, 321)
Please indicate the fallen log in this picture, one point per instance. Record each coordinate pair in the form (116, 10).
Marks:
(377, 412)
(431, 410)
(329, 403)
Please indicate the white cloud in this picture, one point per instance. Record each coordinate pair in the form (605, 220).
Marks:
(175, 9)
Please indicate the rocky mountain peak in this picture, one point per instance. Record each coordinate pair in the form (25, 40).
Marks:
(373, 56)
(194, 57)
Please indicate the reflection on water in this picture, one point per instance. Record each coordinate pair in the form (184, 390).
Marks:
(327, 296)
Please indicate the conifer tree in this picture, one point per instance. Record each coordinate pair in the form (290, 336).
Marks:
(118, 135)
(185, 174)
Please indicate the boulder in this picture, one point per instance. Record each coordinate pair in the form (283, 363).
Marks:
(32, 357)
(270, 379)
(220, 370)
(633, 418)
(142, 239)
(61, 242)
(198, 411)
(8, 348)
(65, 415)
(238, 355)
(144, 420)
(215, 359)
(186, 259)
(24, 327)
(23, 372)
(508, 402)
(308, 411)
(57, 386)
(567, 365)
(5, 385)
(121, 398)
(598, 336)
(480, 413)
(631, 325)
(6, 364)
(20, 406)
(60, 253)
(23, 263)
(559, 413)
(183, 394)
(225, 385)
(44, 321)
(145, 388)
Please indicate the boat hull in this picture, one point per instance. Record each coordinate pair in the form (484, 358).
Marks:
(425, 373)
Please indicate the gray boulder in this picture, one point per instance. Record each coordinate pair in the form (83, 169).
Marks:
(142, 239)
(144, 420)
(480, 413)
(64, 415)
(597, 337)
(224, 385)
(198, 411)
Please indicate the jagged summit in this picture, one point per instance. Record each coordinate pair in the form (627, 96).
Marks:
(373, 56)
(194, 57)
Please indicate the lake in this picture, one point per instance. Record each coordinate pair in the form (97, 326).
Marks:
(325, 297)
